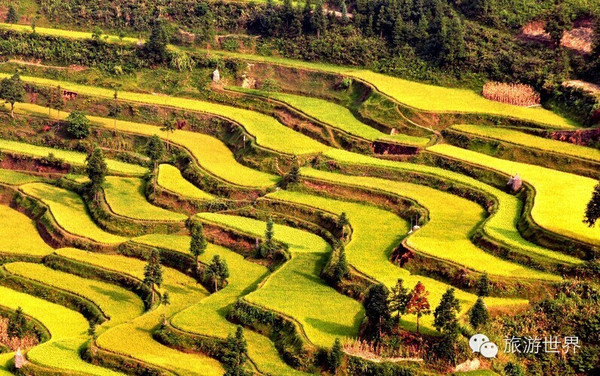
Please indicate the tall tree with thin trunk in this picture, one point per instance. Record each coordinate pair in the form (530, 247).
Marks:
(217, 271)
(96, 169)
(169, 127)
(155, 149)
(153, 273)
(198, 242)
(592, 212)
(418, 303)
(399, 300)
(12, 90)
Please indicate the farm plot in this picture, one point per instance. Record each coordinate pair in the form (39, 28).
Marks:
(125, 196)
(118, 304)
(67, 328)
(69, 156)
(530, 141)
(210, 153)
(18, 235)
(560, 197)
(134, 338)
(70, 212)
(500, 226)
(299, 279)
(377, 232)
(170, 178)
(209, 316)
(17, 178)
(64, 33)
(337, 116)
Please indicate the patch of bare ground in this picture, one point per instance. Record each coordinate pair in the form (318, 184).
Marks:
(579, 38)
(587, 86)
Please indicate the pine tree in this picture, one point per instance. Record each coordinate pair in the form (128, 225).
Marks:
(153, 274)
(198, 242)
(345, 18)
(236, 349)
(155, 149)
(11, 16)
(377, 310)
(445, 315)
(166, 298)
(418, 303)
(592, 211)
(320, 18)
(341, 269)
(479, 314)
(17, 325)
(334, 358)
(483, 285)
(308, 19)
(96, 169)
(399, 300)
(268, 247)
(342, 222)
(12, 90)
(156, 47)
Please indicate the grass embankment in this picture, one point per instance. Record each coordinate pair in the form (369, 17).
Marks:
(169, 177)
(336, 116)
(118, 304)
(72, 157)
(70, 212)
(561, 197)
(295, 289)
(67, 328)
(72, 34)
(210, 153)
(17, 178)
(209, 316)
(445, 209)
(134, 338)
(126, 197)
(18, 234)
(415, 94)
(377, 232)
(530, 141)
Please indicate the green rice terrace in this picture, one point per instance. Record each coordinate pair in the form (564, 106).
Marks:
(174, 203)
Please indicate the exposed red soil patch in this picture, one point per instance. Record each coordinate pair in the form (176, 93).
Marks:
(578, 39)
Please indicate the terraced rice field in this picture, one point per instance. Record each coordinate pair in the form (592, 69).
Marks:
(126, 197)
(530, 141)
(170, 178)
(337, 116)
(68, 156)
(69, 210)
(16, 235)
(16, 178)
(557, 194)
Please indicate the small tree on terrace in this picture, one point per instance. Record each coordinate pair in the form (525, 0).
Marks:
(236, 349)
(12, 16)
(12, 91)
(17, 325)
(217, 271)
(78, 125)
(153, 273)
(399, 300)
(483, 285)
(341, 270)
(198, 242)
(96, 169)
(156, 47)
(115, 110)
(479, 314)
(418, 303)
(592, 212)
(56, 101)
(334, 358)
(169, 127)
(268, 247)
(155, 149)
(377, 311)
(342, 223)
(445, 315)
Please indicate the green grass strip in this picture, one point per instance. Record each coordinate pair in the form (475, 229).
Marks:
(170, 178)
(18, 235)
(70, 212)
(530, 141)
(119, 304)
(17, 178)
(72, 157)
(337, 116)
(68, 329)
(209, 316)
(126, 197)
(561, 197)
(295, 289)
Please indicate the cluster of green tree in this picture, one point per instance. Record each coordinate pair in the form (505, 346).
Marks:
(384, 310)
